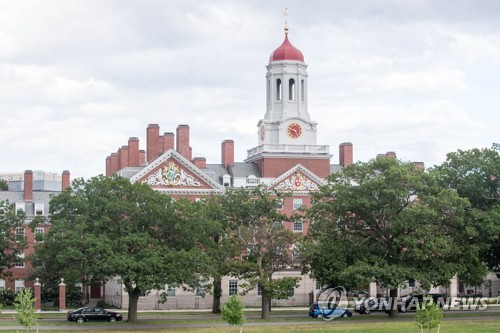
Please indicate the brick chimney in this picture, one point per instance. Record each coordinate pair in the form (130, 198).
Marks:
(28, 186)
(142, 157)
(391, 154)
(183, 141)
(200, 162)
(122, 157)
(133, 152)
(108, 166)
(227, 155)
(114, 163)
(345, 154)
(419, 165)
(152, 141)
(168, 141)
(66, 181)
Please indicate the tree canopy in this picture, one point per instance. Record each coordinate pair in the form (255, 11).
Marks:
(388, 221)
(108, 227)
(265, 243)
(10, 243)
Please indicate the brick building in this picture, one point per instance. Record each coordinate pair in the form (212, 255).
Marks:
(30, 192)
(287, 158)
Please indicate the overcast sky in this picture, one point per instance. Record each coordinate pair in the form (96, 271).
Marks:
(78, 78)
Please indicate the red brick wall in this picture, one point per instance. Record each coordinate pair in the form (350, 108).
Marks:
(200, 162)
(168, 141)
(133, 152)
(122, 157)
(345, 154)
(227, 154)
(66, 181)
(275, 167)
(153, 144)
(183, 141)
(108, 166)
(28, 185)
(114, 163)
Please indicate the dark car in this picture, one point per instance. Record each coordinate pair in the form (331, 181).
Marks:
(323, 311)
(413, 302)
(93, 314)
(371, 304)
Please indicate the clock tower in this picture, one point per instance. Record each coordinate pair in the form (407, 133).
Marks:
(287, 135)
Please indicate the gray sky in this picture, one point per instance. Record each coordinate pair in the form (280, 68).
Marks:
(78, 78)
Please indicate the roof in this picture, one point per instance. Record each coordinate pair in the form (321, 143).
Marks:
(242, 169)
(286, 51)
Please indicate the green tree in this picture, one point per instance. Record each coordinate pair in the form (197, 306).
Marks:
(388, 222)
(9, 243)
(4, 185)
(429, 315)
(221, 249)
(232, 311)
(108, 227)
(264, 243)
(25, 311)
(475, 175)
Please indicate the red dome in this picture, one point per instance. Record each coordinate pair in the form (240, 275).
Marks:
(286, 52)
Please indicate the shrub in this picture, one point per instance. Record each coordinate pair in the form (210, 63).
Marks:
(7, 297)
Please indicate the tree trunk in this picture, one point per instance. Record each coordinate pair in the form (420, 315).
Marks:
(217, 295)
(265, 304)
(133, 299)
(393, 296)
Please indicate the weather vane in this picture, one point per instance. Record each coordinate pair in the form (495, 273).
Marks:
(286, 21)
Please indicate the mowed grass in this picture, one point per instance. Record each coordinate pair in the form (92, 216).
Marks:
(480, 322)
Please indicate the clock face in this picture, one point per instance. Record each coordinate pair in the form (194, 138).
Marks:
(262, 132)
(294, 130)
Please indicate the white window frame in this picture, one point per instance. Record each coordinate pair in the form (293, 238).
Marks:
(169, 291)
(19, 264)
(39, 231)
(297, 203)
(296, 227)
(19, 284)
(233, 287)
(38, 207)
(20, 206)
(20, 232)
(2, 284)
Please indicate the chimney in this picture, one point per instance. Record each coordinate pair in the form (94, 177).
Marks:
(391, 154)
(227, 155)
(419, 165)
(152, 141)
(168, 141)
(28, 186)
(114, 163)
(345, 154)
(108, 166)
(142, 157)
(183, 141)
(200, 162)
(65, 180)
(133, 152)
(122, 157)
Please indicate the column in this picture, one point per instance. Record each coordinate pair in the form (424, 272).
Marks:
(38, 295)
(62, 296)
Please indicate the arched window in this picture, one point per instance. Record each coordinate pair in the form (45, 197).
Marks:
(268, 91)
(291, 89)
(278, 90)
(302, 89)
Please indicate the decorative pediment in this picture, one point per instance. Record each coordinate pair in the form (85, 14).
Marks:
(296, 179)
(171, 172)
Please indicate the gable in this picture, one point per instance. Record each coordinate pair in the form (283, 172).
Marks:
(297, 178)
(174, 174)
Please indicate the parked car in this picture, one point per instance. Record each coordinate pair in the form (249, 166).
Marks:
(371, 304)
(322, 311)
(413, 302)
(93, 314)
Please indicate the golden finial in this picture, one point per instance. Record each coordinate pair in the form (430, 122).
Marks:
(286, 21)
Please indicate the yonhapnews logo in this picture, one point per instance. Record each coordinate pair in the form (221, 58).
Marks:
(332, 303)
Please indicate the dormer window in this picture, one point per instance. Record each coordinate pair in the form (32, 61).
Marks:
(253, 181)
(226, 180)
(39, 211)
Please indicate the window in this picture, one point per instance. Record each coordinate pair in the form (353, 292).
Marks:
(297, 203)
(297, 226)
(302, 90)
(169, 291)
(20, 206)
(233, 287)
(19, 260)
(259, 290)
(2, 284)
(143, 294)
(278, 90)
(200, 292)
(279, 204)
(318, 286)
(268, 89)
(39, 234)
(20, 234)
(39, 209)
(292, 291)
(291, 89)
(19, 285)
(278, 224)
